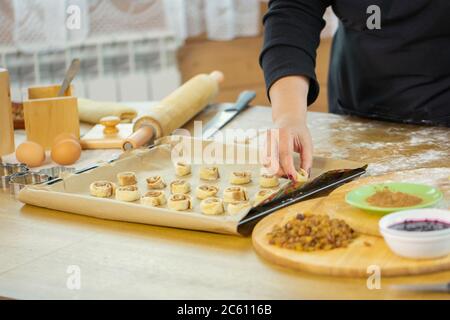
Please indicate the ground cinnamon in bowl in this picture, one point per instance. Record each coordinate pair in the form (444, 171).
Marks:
(386, 198)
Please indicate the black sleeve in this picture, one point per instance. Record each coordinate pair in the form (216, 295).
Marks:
(291, 37)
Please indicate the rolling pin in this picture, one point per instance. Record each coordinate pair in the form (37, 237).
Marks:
(175, 110)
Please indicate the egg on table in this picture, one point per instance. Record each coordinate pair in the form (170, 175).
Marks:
(66, 152)
(30, 153)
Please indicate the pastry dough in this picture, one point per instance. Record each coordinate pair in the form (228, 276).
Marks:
(302, 176)
(182, 169)
(205, 191)
(102, 189)
(240, 177)
(209, 173)
(268, 180)
(262, 195)
(180, 186)
(127, 193)
(179, 202)
(238, 206)
(155, 182)
(212, 206)
(154, 198)
(232, 194)
(126, 178)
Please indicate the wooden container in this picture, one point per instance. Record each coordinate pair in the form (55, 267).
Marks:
(47, 115)
(6, 119)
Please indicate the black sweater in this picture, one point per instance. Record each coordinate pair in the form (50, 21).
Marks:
(400, 72)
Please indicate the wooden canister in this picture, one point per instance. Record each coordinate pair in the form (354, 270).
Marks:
(6, 118)
(47, 115)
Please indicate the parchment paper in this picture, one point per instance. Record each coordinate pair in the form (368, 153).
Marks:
(72, 194)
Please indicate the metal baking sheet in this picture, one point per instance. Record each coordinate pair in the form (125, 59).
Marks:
(71, 194)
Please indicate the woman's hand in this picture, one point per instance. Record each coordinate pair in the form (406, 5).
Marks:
(289, 103)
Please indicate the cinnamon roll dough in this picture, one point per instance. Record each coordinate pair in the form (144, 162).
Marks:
(179, 202)
(205, 191)
(212, 206)
(154, 198)
(180, 186)
(240, 177)
(126, 178)
(127, 193)
(102, 189)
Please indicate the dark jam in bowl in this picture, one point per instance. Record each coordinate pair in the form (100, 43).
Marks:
(420, 225)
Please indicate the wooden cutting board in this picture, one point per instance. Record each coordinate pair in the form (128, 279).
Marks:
(367, 223)
(353, 261)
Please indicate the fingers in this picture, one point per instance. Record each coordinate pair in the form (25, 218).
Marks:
(270, 158)
(306, 152)
(286, 148)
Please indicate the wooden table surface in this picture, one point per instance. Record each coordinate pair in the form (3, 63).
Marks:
(132, 261)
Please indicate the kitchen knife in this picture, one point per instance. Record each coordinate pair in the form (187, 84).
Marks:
(220, 120)
(430, 287)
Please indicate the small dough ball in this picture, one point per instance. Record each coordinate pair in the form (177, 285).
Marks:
(30, 153)
(66, 152)
(65, 136)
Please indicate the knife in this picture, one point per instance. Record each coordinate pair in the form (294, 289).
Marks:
(220, 120)
(430, 287)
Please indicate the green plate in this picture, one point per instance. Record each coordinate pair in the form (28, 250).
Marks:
(429, 195)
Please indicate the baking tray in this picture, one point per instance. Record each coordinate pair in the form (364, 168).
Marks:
(71, 194)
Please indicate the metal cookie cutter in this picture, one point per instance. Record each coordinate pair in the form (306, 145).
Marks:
(57, 172)
(7, 170)
(20, 180)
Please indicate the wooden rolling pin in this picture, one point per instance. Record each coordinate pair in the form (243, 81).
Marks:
(175, 110)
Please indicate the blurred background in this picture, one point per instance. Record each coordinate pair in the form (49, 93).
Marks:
(140, 50)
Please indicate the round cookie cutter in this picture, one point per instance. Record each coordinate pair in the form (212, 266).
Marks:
(7, 170)
(57, 172)
(19, 180)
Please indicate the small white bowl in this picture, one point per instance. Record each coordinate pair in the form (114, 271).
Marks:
(417, 244)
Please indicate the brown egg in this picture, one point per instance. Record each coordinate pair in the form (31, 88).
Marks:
(64, 136)
(30, 153)
(66, 152)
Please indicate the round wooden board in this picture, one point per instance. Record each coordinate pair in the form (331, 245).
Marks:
(366, 222)
(353, 261)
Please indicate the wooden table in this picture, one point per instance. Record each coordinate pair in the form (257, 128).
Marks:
(132, 261)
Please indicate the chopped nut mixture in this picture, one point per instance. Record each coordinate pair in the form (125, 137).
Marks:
(312, 232)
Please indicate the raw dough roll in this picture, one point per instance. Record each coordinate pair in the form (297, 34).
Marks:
(127, 193)
(209, 173)
(240, 177)
(232, 194)
(180, 186)
(268, 180)
(179, 202)
(155, 182)
(182, 169)
(126, 178)
(154, 198)
(102, 189)
(237, 206)
(262, 195)
(212, 206)
(302, 176)
(205, 191)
